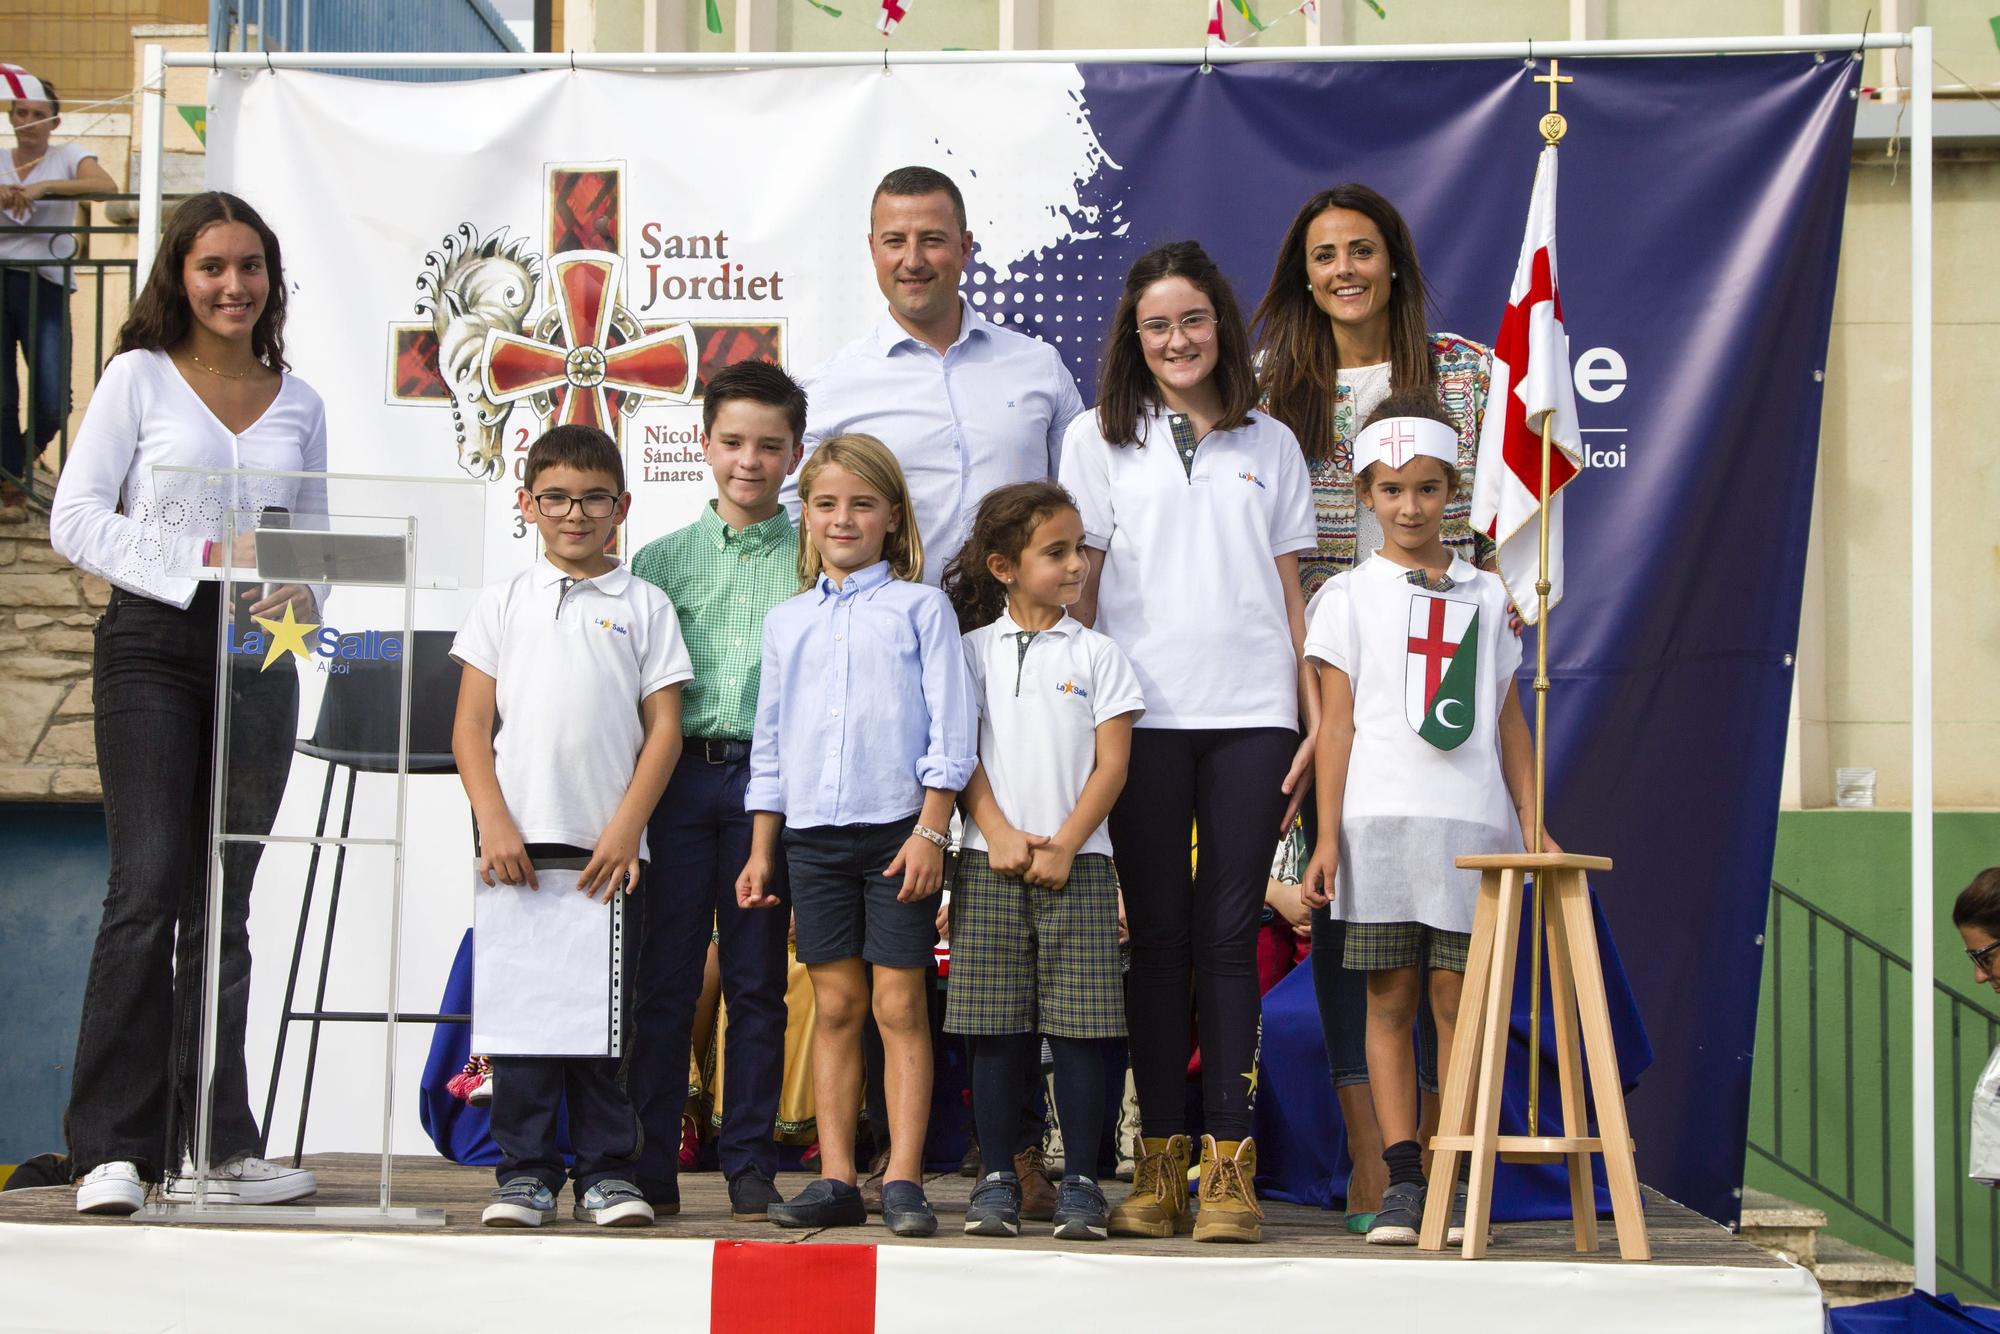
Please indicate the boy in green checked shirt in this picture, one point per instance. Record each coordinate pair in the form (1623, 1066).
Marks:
(723, 572)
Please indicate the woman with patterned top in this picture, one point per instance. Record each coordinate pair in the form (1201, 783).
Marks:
(1341, 327)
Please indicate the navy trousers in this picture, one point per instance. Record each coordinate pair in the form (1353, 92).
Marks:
(699, 838)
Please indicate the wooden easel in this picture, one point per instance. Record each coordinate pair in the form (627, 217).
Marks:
(1470, 1116)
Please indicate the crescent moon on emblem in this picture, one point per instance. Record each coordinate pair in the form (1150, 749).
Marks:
(1438, 713)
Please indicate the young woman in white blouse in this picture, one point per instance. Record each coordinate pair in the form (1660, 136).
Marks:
(1195, 507)
(199, 380)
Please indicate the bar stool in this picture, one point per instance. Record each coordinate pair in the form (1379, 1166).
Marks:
(356, 731)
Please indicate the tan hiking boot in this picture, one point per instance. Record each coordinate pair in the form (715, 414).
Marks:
(1229, 1209)
(1158, 1204)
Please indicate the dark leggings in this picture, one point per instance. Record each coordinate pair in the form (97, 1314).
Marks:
(1002, 1066)
(1194, 920)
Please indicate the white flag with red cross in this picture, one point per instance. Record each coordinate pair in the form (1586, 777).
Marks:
(16, 84)
(1531, 383)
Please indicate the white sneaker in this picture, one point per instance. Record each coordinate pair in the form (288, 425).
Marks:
(111, 1188)
(482, 1094)
(247, 1179)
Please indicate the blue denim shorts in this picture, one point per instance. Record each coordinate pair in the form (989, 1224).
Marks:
(842, 904)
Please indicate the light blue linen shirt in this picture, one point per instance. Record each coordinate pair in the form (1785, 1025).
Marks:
(989, 412)
(865, 702)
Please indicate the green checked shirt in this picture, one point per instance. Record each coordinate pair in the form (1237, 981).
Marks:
(721, 582)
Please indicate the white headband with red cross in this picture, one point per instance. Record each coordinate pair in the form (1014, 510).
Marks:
(1394, 441)
(17, 85)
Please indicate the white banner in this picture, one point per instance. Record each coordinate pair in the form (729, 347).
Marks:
(444, 245)
(416, 218)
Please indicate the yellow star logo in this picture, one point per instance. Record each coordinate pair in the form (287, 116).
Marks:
(287, 636)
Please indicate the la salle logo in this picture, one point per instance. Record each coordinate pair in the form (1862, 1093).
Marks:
(1441, 670)
(320, 646)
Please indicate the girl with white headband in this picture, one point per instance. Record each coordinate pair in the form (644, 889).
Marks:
(1424, 756)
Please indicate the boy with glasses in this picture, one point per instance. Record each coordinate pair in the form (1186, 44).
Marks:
(581, 666)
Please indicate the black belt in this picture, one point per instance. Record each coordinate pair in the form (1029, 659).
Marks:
(718, 749)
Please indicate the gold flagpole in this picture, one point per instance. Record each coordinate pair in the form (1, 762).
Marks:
(1553, 127)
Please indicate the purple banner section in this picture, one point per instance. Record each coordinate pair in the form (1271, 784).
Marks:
(1699, 226)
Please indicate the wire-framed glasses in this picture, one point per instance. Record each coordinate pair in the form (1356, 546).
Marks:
(1197, 327)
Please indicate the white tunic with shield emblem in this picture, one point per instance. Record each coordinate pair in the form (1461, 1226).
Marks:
(1410, 807)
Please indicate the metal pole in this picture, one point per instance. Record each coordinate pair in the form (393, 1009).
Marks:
(1542, 589)
(641, 60)
(1923, 1054)
(396, 876)
(153, 109)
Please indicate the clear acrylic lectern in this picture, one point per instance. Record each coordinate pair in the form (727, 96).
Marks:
(327, 581)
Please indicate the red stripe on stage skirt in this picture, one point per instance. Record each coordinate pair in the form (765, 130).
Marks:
(759, 1287)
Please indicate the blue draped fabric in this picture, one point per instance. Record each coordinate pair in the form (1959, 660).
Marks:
(1918, 1313)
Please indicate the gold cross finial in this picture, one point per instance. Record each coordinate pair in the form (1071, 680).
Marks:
(1553, 125)
(1552, 78)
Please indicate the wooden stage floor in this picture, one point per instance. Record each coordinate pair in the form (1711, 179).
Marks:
(1679, 1236)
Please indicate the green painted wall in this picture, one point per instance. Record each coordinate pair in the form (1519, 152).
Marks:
(1836, 1108)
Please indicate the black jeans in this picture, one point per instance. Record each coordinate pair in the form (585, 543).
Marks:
(34, 313)
(1194, 927)
(700, 838)
(132, 1087)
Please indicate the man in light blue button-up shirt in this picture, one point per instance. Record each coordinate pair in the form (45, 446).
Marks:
(966, 405)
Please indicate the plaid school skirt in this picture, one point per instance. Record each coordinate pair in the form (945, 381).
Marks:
(1025, 959)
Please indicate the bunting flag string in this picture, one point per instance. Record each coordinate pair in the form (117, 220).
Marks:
(893, 12)
(1234, 22)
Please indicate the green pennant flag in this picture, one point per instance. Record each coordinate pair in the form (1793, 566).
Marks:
(1449, 716)
(197, 119)
(714, 18)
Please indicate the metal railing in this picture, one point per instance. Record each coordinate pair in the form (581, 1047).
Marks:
(1839, 1108)
(43, 322)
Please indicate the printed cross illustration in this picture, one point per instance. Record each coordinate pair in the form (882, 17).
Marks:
(1434, 649)
(579, 368)
(1401, 437)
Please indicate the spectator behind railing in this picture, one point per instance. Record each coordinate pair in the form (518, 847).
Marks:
(37, 181)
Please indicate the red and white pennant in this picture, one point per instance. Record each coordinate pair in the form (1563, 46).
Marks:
(893, 12)
(1531, 382)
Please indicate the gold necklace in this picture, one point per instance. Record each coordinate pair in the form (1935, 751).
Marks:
(195, 357)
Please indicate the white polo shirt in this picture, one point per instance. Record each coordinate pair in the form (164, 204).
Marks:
(990, 411)
(1040, 704)
(572, 659)
(1190, 586)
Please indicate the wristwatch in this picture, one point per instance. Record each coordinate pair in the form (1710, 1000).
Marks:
(931, 836)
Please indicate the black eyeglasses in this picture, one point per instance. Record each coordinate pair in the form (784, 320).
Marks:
(1979, 957)
(556, 504)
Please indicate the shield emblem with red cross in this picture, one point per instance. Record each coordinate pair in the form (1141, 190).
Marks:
(1441, 669)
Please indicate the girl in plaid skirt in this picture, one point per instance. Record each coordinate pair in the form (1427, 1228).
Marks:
(1034, 916)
